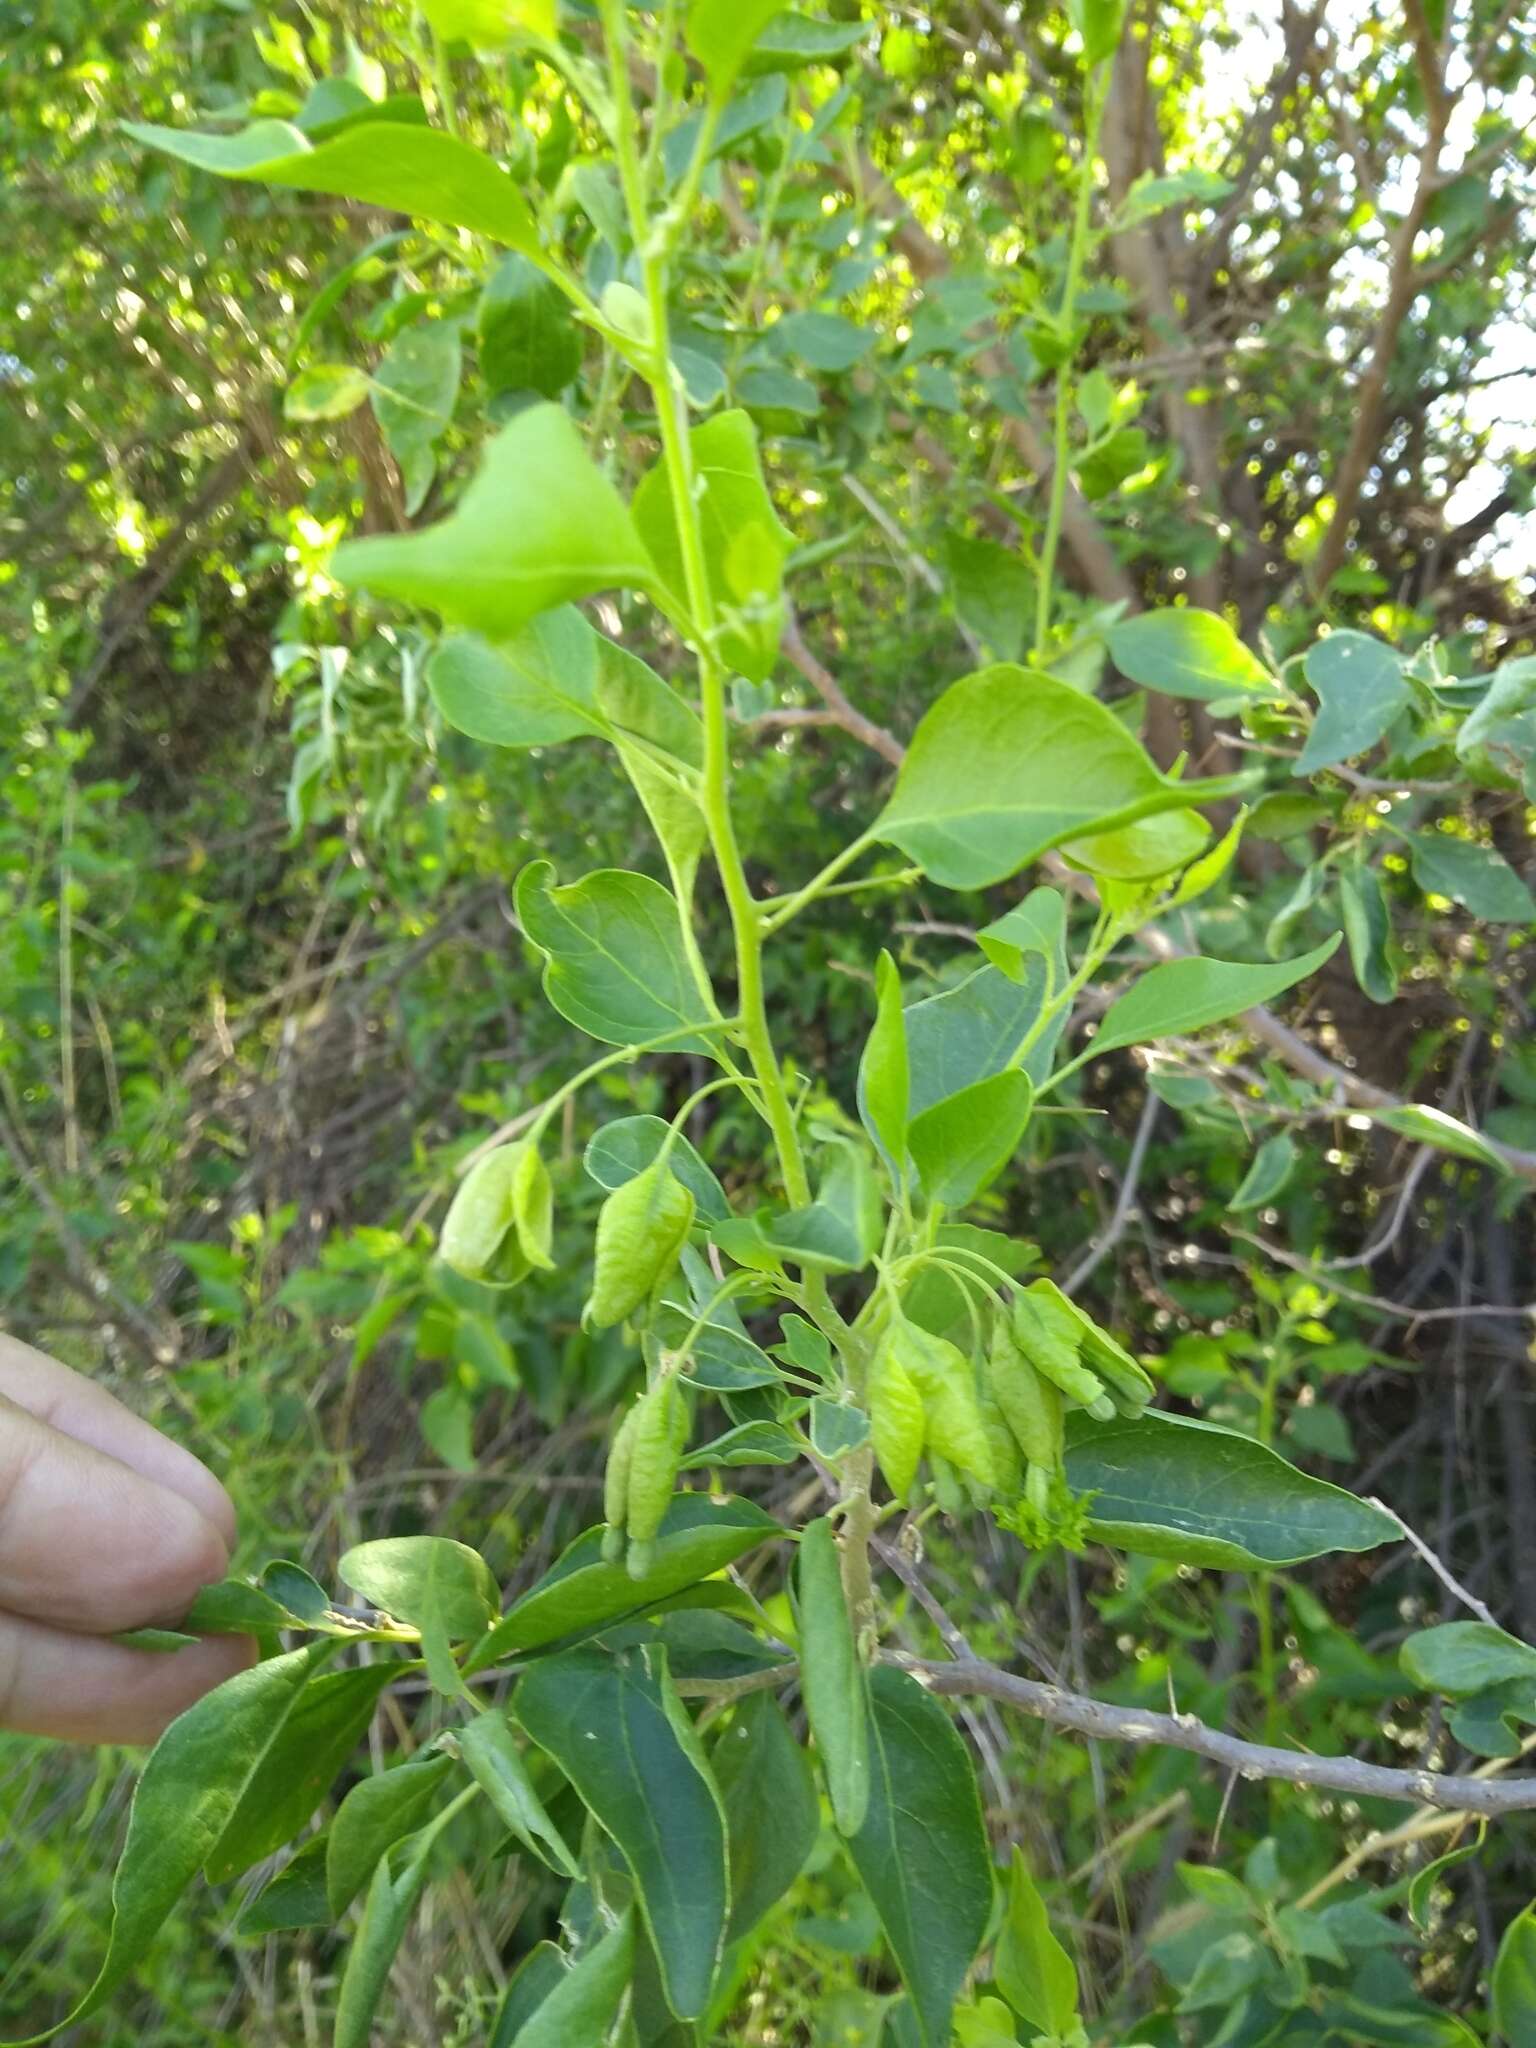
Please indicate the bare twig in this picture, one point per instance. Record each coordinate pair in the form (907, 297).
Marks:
(1441, 1571)
(1125, 1201)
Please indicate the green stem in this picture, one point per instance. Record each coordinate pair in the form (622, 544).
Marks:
(746, 924)
(442, 78)
(791, 906)
(624, 1053)
(1097, 93)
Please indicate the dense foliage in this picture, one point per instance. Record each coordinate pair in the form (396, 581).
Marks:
(954, 591)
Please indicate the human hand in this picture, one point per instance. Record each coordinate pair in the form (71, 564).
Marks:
(105, 1525)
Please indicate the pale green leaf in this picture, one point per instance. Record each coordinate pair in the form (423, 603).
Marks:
(1360, 689)
(615, 963)
(1475, 876)
(1180, 996)
(1428, 1125)
(325, 391)
(1186, 653)
(832, 1676)
(419, 1579)
(491, 1753)
(1009, 763)
(1514, 1981)
(377, 1812)
(627, 1146)
(883, 1082)
(962, 1143)
(539, 526)
(1033, 1971)
(580, 2006)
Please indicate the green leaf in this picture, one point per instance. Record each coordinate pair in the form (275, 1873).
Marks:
(993, 589)
(970, 1032)
(793, 40)
(386, 1914)
(296, 1897)
(619, 1151)
(1168, 1486)
(190, 1788)
(744, 544)
(1477, 877)
(402, 166)
(1460, 1658)
(767, 390)
(1427, 1125)
(961, 1144)
(420, 1579)
(832, 1676)
(751, 1443)
(1037, 925)
(1142, 852)
(617, 1729)
(1360, 689)
(1422, 1890)
(825, 341)
(1514, 1981)
(720, 33)
(1499, 738)
(528, 338)
(413, 395)
(883, 1084)
(1009, 763)
(492, 1755)
(579, 1592)
(536, 1976)
(1033, 1971)
(377, 1812)
(615, 964)
(1268, 1171)
(325, 391)
(539, 526)
(771, 1813)
(836, 1429)
(490, 24)
(1180, 996)
(534, 689)
(302, 1762)
(1186, 653)
(1368, 928)
(922, 1851)
(1150, 195)
(580, 2008)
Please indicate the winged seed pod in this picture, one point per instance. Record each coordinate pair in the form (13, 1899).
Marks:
(1129, 1386)
(641, 1231)
(1030, 1404)
(1051, 1340)
(500, 1223)
(897, 1422)
(616, 1487)
(656, 1450)
(942, 1374)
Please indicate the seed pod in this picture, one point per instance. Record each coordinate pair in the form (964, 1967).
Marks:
(1037, 1489)
(661, 1428)
(942, 1374)
(483, 1236)
(1006, 1462)
(641, 1231)
(1050, 1340)
(1031, 1406)
(897, 1422)
(616, 1487)
(1130, 1388)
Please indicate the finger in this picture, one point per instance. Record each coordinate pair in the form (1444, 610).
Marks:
(86, 1542)
(80, 1689)
(81, 1409)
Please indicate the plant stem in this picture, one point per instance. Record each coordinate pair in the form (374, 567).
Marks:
(442, 78)
(1097, 94)
(746, 923)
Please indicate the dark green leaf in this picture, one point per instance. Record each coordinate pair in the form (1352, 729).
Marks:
(413, 395)
(301, 1764)
(296, 1897)
(626, 1147)
(1167, 1486)
(536, 1976)
(883, 1083)
(579, 2008)
(377, 1812)
(993, 589)
(531, 690)
(423, 1578)
(922, 1851)
(1474, 876)
(1514, 1981)
(392, 1896)
(1465, 1657)
(793, 40)
(1269, 1170)
(832, 1676)
(1368, 928)
(616, 1728)
(752, 1443)
(528, 338)
(1360, 688)
(579, 1592)
(771, 1813)
(825, 341)
(970, 1032)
